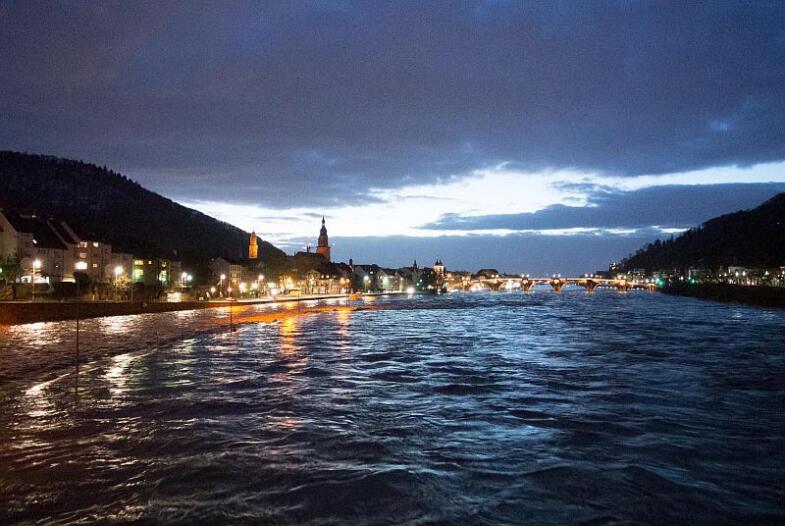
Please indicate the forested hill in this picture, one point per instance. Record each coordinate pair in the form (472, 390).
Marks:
(753, 237)
(104, 205)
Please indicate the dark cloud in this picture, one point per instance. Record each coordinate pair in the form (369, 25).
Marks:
(299, 103)
(673, 206)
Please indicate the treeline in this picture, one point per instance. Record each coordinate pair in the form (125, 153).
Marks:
(754, 238)
(99, 203)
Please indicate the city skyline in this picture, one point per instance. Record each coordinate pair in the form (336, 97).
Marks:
(491, 132)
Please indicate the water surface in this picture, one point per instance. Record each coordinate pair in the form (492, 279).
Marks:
(538, 408)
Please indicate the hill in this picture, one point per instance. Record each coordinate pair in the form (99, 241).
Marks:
(754, 238)
(101, 204)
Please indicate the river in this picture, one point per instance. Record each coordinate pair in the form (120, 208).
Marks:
(539, 408)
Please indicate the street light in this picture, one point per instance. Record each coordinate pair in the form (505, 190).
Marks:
(118, 270)
(221, 284)
(36, 266)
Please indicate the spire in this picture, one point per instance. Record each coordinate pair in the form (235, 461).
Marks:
(323, 233)
(323, 246)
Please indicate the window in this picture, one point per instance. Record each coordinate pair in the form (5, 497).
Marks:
(82, 255)
(80, 265)
(95, 244)
(95, 265)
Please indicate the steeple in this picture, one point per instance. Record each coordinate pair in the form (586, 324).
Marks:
(253, 247)
(323, 247)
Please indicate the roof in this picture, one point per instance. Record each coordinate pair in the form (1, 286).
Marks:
(236, 261)
(63, 232)
(43, 234)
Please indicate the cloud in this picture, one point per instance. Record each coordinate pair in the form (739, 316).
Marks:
(670, 206)
(315, 104)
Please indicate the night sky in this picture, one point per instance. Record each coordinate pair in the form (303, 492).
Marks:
(530, 136)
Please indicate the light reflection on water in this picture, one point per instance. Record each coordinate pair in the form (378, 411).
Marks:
(510, 408)
(38, 348)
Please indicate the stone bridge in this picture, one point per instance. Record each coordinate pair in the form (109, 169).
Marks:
(526, 283)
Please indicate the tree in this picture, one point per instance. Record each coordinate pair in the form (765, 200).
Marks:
(83, 282)
(11, 272)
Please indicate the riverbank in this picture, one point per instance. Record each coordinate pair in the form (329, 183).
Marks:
(20, 312)
(748, 295)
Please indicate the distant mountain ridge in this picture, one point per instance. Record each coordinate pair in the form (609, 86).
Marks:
(754, 238)
(104, 205)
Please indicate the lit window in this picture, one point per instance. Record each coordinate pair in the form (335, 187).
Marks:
(95, 244)
(83, 255)
(95, 265)
(80, 265)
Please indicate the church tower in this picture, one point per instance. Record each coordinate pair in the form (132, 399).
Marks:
(438, 268)
(323, 247)
(253, 247)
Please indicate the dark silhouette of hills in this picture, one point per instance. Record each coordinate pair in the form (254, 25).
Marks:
(754, 238)
(100, 204)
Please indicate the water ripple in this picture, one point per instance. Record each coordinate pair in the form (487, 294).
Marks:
(536, 408)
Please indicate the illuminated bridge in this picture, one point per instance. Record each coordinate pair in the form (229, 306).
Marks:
(507, 282)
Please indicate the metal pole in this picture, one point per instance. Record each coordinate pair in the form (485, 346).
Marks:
(78, 300)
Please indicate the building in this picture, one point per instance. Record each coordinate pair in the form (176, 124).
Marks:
(92, 258)
(156, 272)
(120, 267)
(59, 250)
(232, 271)
(323, 246)
(438, 268)
(313, 274)
(37, 245)
(393, 280)
(373, 278)
(410, 276)
(457, 279)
